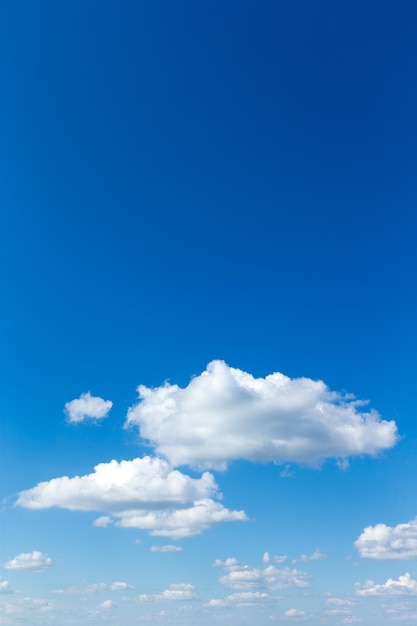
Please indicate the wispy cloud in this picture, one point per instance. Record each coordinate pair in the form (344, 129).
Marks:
(239, 576)
(167, 548)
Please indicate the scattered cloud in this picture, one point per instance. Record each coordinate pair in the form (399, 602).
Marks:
(239, 576)
(5, 587)
(316, 556)
(167, 548)
(389, 542)
(87, 407)
(119, 585)
(242, 599)
(226, 414)
(404, 585)
(182, 591)
(294, 613)
(93, 588)
(107, 604)
(267, 558)
(144, 493)
(35, 560)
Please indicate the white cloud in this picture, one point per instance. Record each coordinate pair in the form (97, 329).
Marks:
(181, 522)
(267, 558)
(340, 602)
(239, 576)
(404, 585)
(5, 587)
(103, 521)
(87, 407)
(167, 548)
(144, 493)
(182, 591)
(120, 586)
(30, 561)
(294, 613)
(108, 604)
(389, 542)
(226, 414)
(316, 556)
(242, 599)
(93, 588)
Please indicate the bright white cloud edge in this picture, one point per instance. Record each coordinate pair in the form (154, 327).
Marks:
(35, 560)
(145, 493)
(87, 407)
(384, 542)
(226, 414)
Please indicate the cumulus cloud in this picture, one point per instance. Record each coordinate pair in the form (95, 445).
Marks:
(93, 588)
(404, 585)
(389, 542)
(144, 493)
(182, 591)
(239, 576)
(226, 414)
(87, 407)
(5, 587)
(316, 556)
(167, 548)
(35, 560)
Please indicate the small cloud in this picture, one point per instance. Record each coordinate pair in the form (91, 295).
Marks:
(177, 592)
(316, 556)
(87, 407)
(120, 586)
(167, 548)
(103, 522)
(108, 604)
(287, 472)
(30, 561)
(5, 587)
(343, 464)
(389, 542)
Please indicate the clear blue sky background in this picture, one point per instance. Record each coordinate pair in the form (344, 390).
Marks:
(188, 181)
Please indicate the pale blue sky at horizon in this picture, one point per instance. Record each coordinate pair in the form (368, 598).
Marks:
(208, 313)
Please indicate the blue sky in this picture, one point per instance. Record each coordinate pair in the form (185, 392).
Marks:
(207, 235)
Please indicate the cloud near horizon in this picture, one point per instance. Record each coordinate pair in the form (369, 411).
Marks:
(226, 414)
(145, 493)
(87, 407)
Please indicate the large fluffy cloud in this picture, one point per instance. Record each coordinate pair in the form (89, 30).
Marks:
(143, 493)
(404, 585)
(226, 414)
(35, 560)
(87, 407)
(389, 542)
